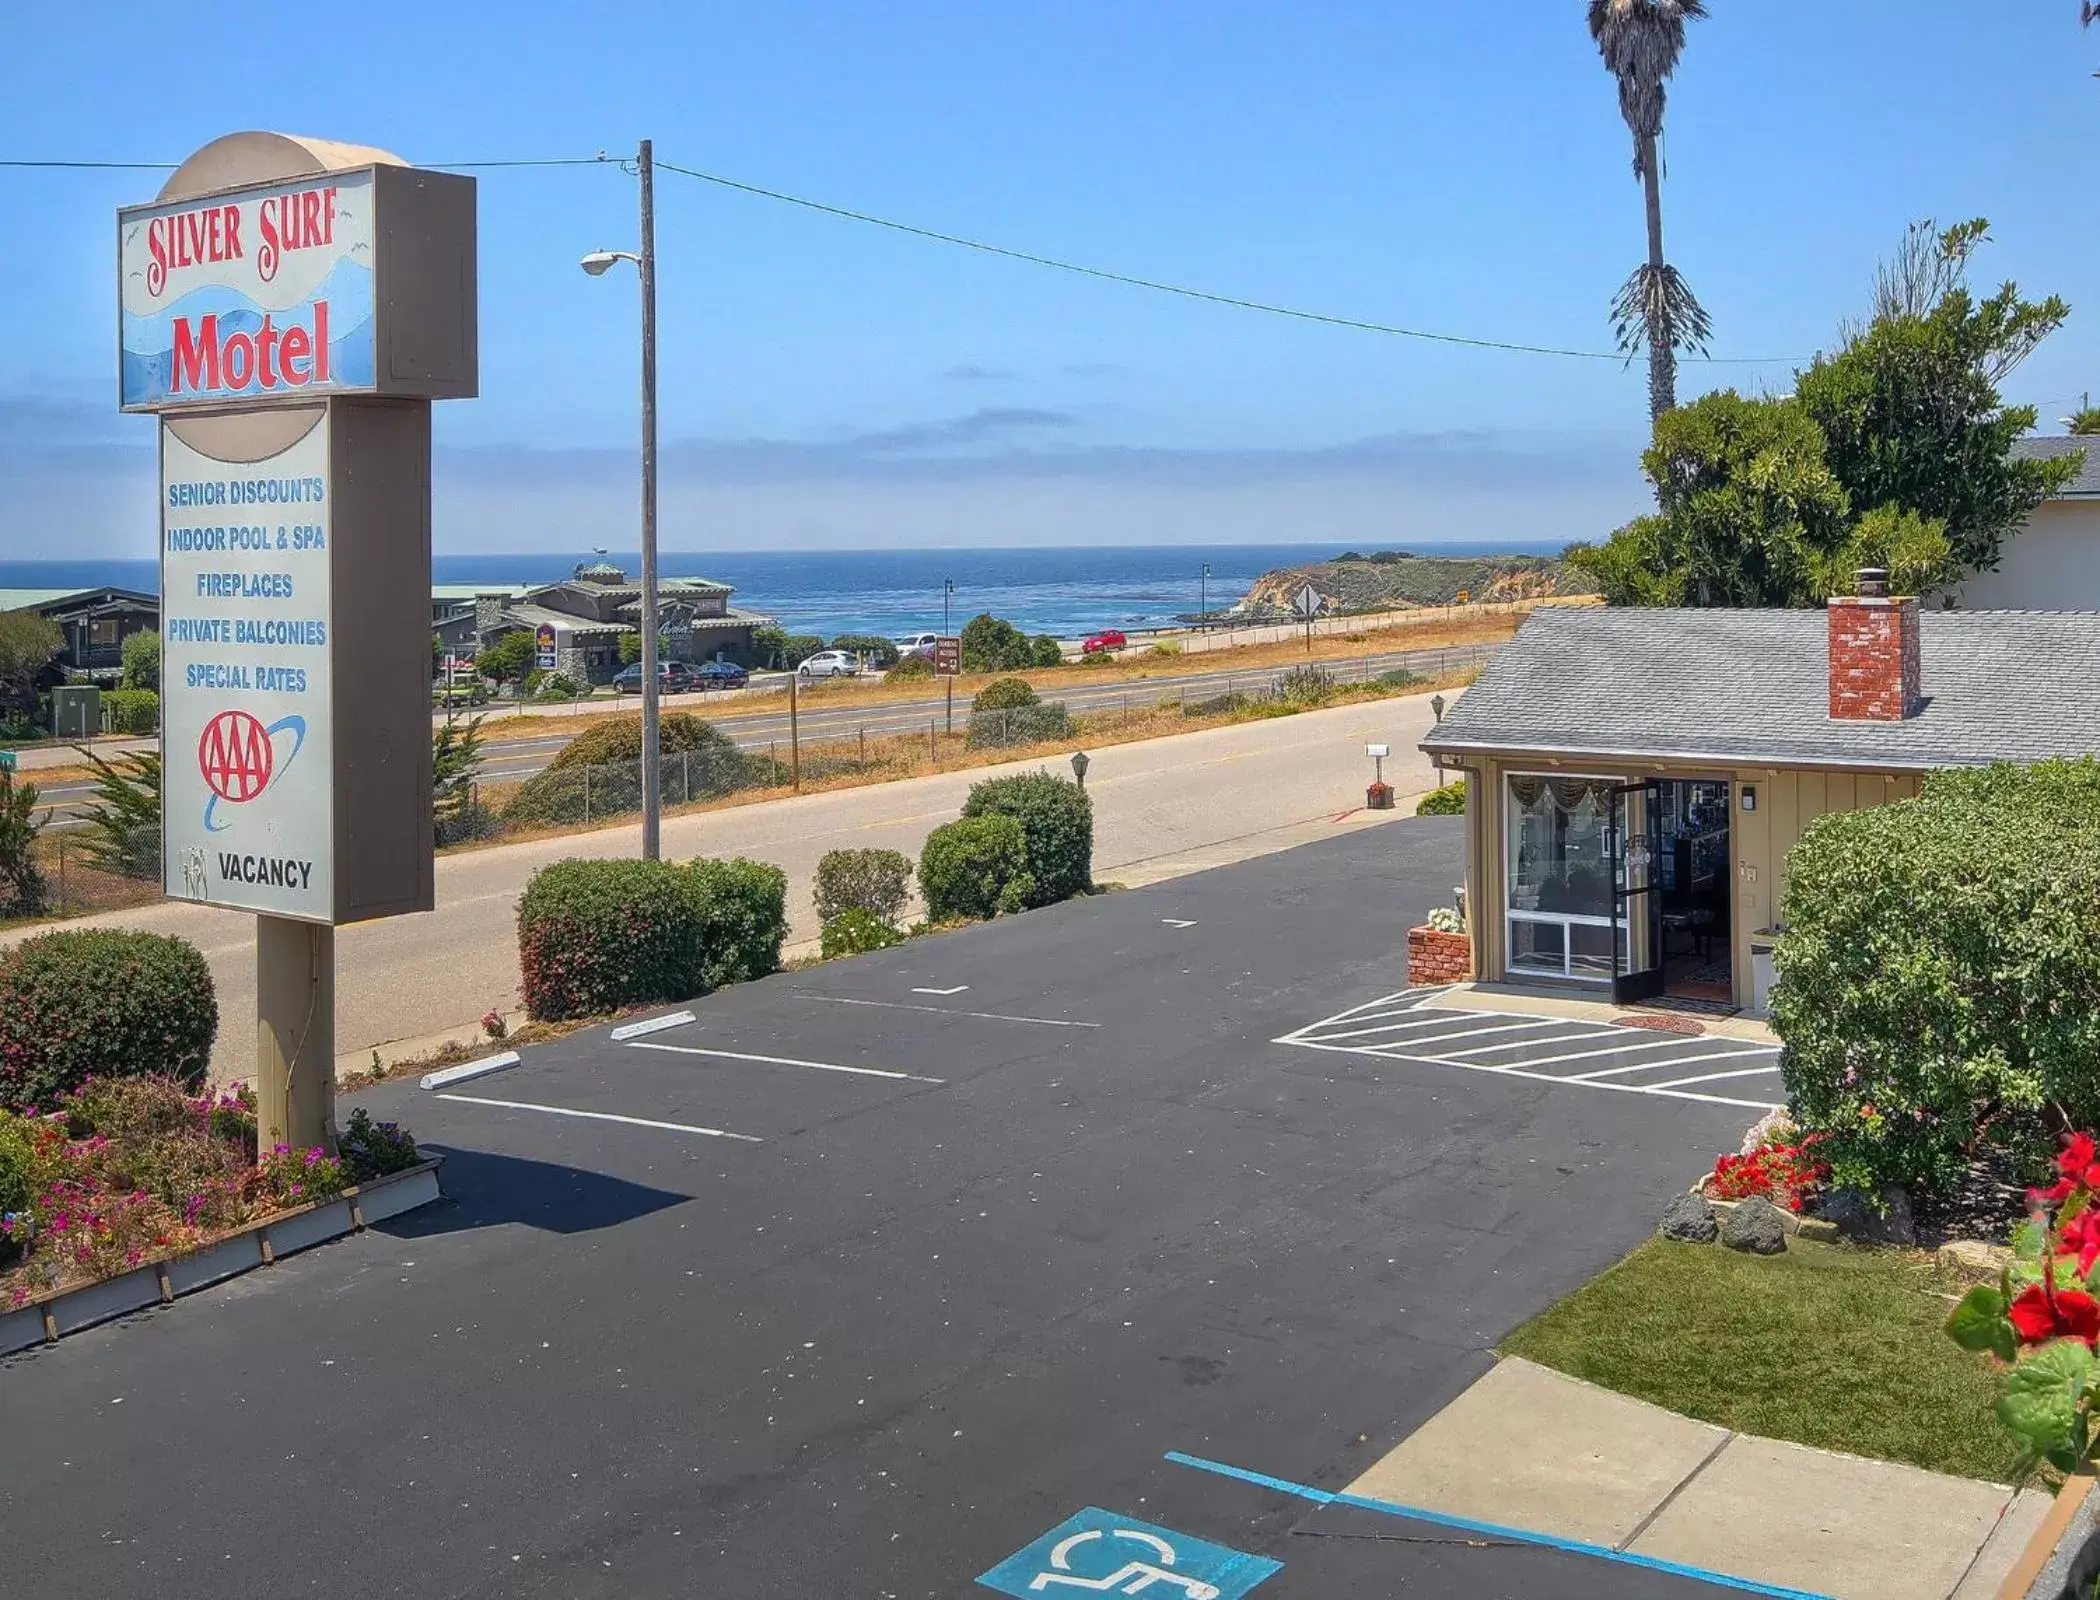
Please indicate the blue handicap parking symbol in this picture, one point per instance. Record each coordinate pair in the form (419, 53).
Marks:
(1098, 1552)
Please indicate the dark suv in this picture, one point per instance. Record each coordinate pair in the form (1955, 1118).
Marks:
(672, 677)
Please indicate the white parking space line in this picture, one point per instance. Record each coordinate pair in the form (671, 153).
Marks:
(1668, 1042)
(1403, 1027)
(1680, 1061)
(603, 1116)
(1434, 1041)
(1417, 1020)
(946, 1011)
(1716, 1077)
(782, 1061)
(1541, 1077)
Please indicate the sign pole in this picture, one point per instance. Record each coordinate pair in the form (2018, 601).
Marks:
(294, 1034)
(652, 746)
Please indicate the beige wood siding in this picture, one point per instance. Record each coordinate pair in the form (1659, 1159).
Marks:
(1788, 799)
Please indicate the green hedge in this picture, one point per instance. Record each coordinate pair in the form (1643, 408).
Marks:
(909, 668)
(599, 772)
(1449, 801)
(740, 918)
(1057, 827)
(131, 710)
(594, 936)
(1939, 977)
(1036, 724)
(1005, 694)
(975, 868)
(877, 882)
(101, 1002)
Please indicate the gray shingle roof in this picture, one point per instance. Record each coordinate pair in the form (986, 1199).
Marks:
(1753, 686)
(2047, 447)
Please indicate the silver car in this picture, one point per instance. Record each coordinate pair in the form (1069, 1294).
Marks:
(831, 664)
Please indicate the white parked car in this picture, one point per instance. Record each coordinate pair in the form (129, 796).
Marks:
(917, 644)
(831, 664)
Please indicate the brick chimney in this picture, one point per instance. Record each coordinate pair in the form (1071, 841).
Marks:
(1874, 674)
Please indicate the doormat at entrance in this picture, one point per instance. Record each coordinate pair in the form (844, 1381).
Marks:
(1661, 1022)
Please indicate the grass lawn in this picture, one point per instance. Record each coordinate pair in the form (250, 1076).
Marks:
(1827, 1345)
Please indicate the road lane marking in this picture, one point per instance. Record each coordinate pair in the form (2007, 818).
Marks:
(1621, 1049)
(603, 1116)
(1535, 1077)
(1716, 1077)
(783, 1061)
(946, 1011)
(1436, 1040)
(1178, 922)
(958, 989)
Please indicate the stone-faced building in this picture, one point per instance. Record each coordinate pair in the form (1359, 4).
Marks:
(578, 622)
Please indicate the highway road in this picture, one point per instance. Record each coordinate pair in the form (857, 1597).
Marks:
(509, 757)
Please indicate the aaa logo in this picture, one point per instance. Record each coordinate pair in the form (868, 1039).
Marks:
(237, 756)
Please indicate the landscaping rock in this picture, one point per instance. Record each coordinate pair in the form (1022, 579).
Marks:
(1974, 1260)
(1689, 1219)
(1857, 1216)
(1756, 1225)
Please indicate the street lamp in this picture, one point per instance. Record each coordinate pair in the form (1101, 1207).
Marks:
(597, 264)
(1436, 704)
(1203, 604)
(1079, 766)
(948, 632)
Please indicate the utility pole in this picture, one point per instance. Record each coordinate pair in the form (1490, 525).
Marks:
(947, 599)
(1203, 605)
(652, 746)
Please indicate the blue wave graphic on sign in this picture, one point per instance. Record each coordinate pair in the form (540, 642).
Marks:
(296, 727)
(148, 342)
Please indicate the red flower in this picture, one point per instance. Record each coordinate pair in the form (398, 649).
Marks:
(2042, 1312)
(2081, 1236)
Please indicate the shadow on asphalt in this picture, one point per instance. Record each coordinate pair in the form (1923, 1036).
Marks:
(485, 1190)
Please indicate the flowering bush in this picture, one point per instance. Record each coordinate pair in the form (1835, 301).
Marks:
(374, 1149)
(1783, 1172)
(134, 1169)
(1445, 919)
(2042, 1317)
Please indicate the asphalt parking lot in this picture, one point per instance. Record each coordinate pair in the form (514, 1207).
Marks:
(1002, 1256)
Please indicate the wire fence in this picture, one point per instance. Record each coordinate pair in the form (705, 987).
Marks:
(897, 744)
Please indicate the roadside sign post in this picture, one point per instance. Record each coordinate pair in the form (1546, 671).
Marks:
(290, 308)
(947, 662)
(1306, 602)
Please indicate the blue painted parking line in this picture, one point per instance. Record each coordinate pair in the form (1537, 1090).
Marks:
(1099, 1552)
(1443, 1519)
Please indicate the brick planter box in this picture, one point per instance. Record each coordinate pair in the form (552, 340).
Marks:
(1435, 958)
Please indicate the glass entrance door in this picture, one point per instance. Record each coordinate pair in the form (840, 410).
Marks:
(1636, 905)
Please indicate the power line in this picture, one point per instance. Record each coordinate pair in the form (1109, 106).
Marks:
(1235, 301)
(600, 159)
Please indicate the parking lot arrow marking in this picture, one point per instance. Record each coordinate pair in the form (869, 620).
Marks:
(958, 989)
(1177, 922)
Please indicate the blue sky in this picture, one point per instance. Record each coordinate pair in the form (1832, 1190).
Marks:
(1453, 167)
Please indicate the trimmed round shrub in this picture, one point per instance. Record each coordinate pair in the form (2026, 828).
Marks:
(855, 932)
(101, 1002)
(1449, 801)
(599, 772)
(1046, 651)
(877, 882)
(1005, 694)
(1057, 827)
(967, 867)
(739, 918)
(909, 669)
(1034, 724)
(594, 936)
(1939, 977)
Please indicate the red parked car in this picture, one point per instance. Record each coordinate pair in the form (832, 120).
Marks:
(1106, 639)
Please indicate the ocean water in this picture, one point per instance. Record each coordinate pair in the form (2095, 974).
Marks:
(1065, 591)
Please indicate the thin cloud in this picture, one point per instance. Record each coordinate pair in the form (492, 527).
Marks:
(971, 372)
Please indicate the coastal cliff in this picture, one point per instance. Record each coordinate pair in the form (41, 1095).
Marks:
(1387, 579)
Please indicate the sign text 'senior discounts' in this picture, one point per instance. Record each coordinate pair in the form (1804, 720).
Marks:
(248, 781)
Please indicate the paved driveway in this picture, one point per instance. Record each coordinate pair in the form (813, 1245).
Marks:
(872, 1278)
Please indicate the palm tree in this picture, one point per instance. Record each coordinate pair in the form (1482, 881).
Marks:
(1640, 41)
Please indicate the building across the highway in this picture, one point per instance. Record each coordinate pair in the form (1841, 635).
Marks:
(95, 622)
(580, 620)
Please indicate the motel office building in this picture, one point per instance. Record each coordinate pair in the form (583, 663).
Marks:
(1637, 777)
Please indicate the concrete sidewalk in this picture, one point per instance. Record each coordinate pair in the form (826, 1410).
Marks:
(1531, 1449)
